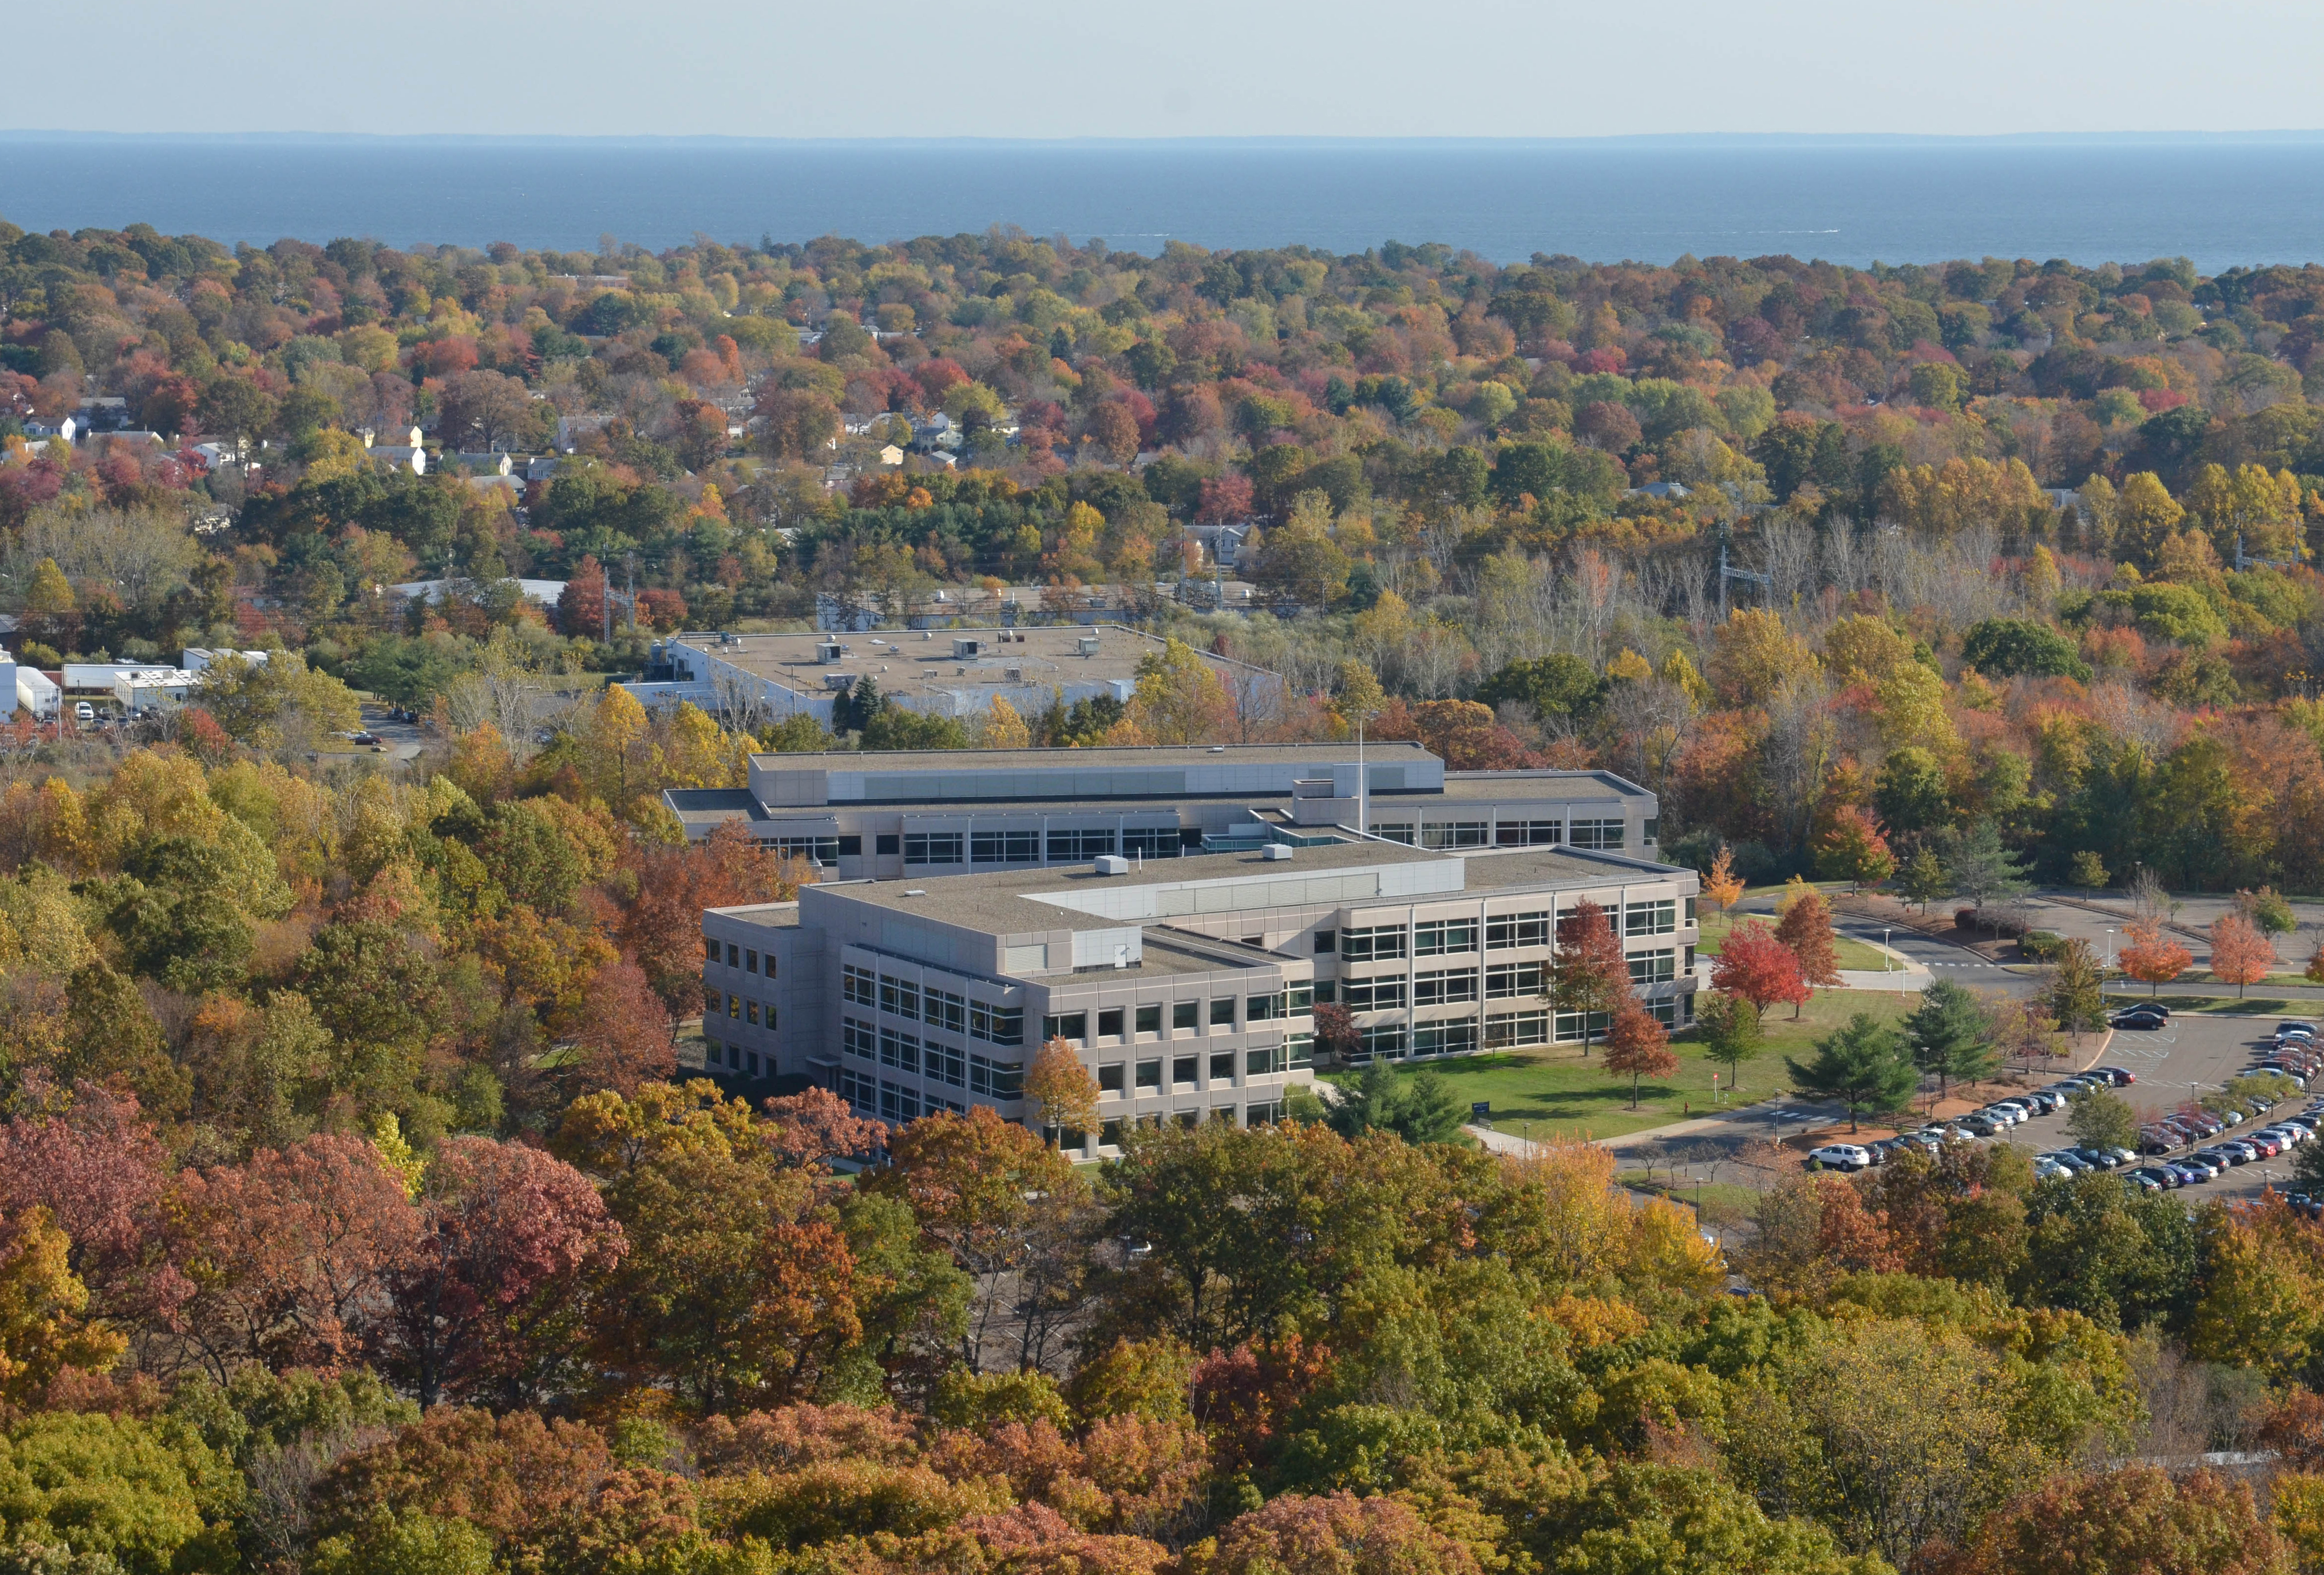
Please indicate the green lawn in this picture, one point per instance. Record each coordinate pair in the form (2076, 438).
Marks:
(1555, 1090)
(1853, 954)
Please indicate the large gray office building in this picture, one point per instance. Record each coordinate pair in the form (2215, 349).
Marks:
(1175, 915)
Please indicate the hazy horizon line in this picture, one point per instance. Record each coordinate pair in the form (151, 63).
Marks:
(1636, 139)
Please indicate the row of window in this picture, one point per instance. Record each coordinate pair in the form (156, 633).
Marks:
(1503, 932)
(1186, 1016)
(736, 1059)
(1119, 1078)
(891, 1102)
(939, 1009)
(1026, 847)
(741, 957)
(1502, 1030)
(738, 1009)
(931, 1058)
(1602, 835)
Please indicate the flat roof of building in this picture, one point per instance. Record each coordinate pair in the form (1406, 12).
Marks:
(1516, 784)
(908, 662)
(996, 901)
(773, 916)
(1100, 757)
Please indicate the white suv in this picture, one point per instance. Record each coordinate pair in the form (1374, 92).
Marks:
(1839, 1156)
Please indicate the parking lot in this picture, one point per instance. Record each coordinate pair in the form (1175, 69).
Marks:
(2195, 1054)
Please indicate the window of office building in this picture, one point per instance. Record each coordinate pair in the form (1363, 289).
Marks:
(1606, 835)
(1393, 830)
(709, 949)
(1004, 847)
(1064, 1025)
(859, 985)
(1654, 967)
(1223, 1012)
(996, 1025)
(1573, 1025)
(1109, 1023)
(900, 997)
(1265, 1062)
(1506, 932)
(932, 848)
(1528, 833)
(1455, 833)
(859, 1039)
(1372, 995)
(900, 1051)
(1222, 1065)
(1183, 1071)
(860, 1090)
(1000, 1081)
(1110, 1078)
(1503, 1030)
(1155, 841)
(1445, 1038)
(1300, 1049)
(942, 1064)
(1150, 1019)
(1079, 845)
(887, 842)
(1385, 1040)
(1651, 918)
(940, 1009)
(1506, 980)
(1149, 1075)
(1443, 937)
(819, 850)
(1376, 943)
(1185, 1014)
(1445, 987)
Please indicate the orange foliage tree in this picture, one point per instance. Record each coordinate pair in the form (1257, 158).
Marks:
(2152, 959)
(1806, 930)
(2240, 954)
(1637, 1047)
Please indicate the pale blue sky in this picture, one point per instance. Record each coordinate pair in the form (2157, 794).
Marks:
(1183, 68)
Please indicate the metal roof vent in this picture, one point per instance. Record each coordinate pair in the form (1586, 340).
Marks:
(915, 891)
(1275, 852)
(827, 652)
(965, 649)
(1087, 644)
(1112, 864)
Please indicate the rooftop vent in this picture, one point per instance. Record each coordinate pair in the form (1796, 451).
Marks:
(1016, 675)
(838, 681)
(915, 891)
(1087, 645)
(1275, 852)
(827, 652)
(1114, 864)
(966, 649)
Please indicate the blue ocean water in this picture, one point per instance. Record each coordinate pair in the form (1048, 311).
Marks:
(2220, 201)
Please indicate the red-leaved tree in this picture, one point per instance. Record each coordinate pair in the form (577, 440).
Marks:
(1758, 967)
(1589, 973)
(490, 1307)
(1806, 929)
(1637, 1047)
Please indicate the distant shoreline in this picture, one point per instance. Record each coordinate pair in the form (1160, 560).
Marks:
(1684, 140)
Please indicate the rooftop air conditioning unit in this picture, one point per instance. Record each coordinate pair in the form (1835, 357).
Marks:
(1016, 675)
(966, 649)
(827, 652)
(1087, 644)
(838, 681)
(1112, 864)
(1275, 852)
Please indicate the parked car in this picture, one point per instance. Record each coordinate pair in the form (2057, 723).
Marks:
(2069, 1159)
(2048, 1169)
(2120, 1076)
(2104, 1158)
(1845, 1156)
(1978, 1125)
(2138, 1019)
(2159, 1176)
(2265, 1145)
(2044, 1100)
(2199, 1169)
(2002, 1114)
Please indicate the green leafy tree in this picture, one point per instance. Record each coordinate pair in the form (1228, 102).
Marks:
(2076, 990)
(1732, 1033)
(1924, 879)
(2088, 871)
(1862, 1065)
(1949, 1034)
(2100, 1119)
(1982, 869)
(1419, 1108)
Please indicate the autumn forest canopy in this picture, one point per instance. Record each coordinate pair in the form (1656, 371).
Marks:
(354, 1215)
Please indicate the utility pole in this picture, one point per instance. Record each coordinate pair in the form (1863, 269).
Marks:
(1766, 582)
(632, 559)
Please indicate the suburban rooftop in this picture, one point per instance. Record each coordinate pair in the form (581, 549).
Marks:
(904, 662)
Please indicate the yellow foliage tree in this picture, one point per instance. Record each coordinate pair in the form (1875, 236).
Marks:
(1756, 656)
(1004, 729)
(42, 1330)
(2144, 514)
